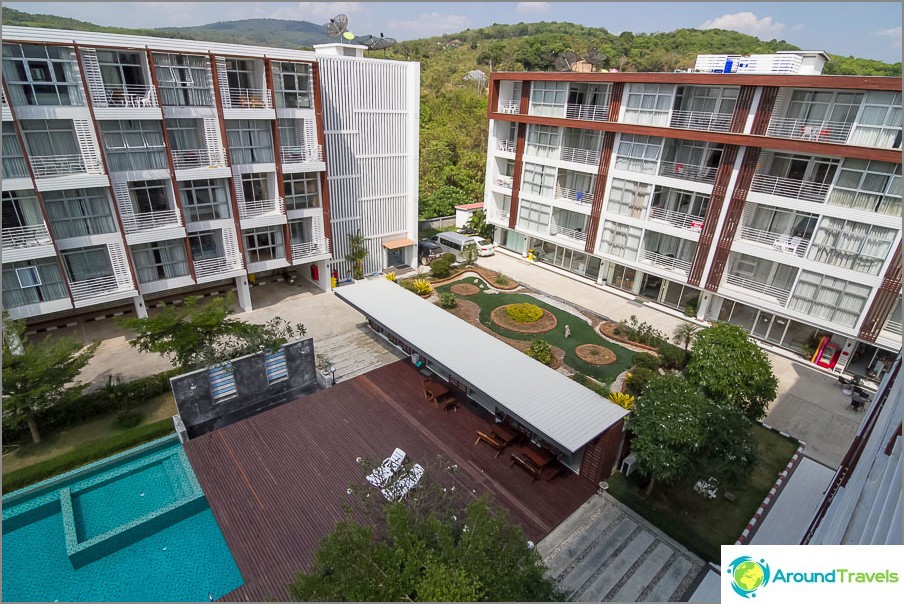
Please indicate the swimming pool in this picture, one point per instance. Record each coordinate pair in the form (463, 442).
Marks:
(132, 527)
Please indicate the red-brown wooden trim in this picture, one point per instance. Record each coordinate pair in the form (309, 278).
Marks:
(888, 293)
(280, 186)
(713, 211)
(34, 186)
(732, 217)
(764, 110)
(321, 140)
(615, 99)
(726, 138)
(493, 100)
(602, 175)
(519, 158)
(742, 109)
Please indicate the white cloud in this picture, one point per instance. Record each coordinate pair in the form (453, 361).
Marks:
(747, 23)
(429, 24)
(532, 7)
(894, 33)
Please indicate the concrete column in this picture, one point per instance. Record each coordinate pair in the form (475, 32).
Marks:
(244, 293)
(141, 310)
(847, 349)
(323, 280)
(703, 304)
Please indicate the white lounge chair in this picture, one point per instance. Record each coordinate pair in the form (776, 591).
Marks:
(382, 473)
(397, 490)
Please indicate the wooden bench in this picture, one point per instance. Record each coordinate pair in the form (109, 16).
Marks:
(448, 402)
(488, 439)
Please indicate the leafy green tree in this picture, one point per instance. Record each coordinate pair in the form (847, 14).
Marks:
(685, 334)
(39, 375)
(442, 202)
(478, 223)
(358, 252)
(726, 366)
(203, 334)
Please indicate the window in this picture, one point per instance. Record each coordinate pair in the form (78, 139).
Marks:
(87, 263)
(275, 366)
(222, 382)
(533, 216)
(706, 99)
(538, 180)
(880, 121)
(40, 75)
(255, 187)
(621, 240)
(638, 153)
(186, 134)
(250, 141)
(122, 69)
(45, 138)
(871, 186)
(204, 200)
(825, 297)
(184, 80)
(32, 282)
(149, 196)
(628, 198)
(134, 145)
(264, 244)
(548, 98)
(13, 161)
(680, 202)
(824, 106)
(79, 212)
(301, 231)
(240, 75)
(205, 245)
(648, 104)
(293, 85)
(160, 260)
(20, 209)
(543, 141)
(302, 190)
(852, 245)
(778, 221)
(806, 168)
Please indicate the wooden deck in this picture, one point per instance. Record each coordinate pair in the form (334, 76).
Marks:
(277, 482)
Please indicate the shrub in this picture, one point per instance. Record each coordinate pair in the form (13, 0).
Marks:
(637, 380)
(422, 287)
(391, 277)
(690, 309)
(524, 313)
(447, 300)
(441, 267)
(623, 400)
(671, 356)
(409, 285)
(540, 350)
(645, 360)
(127, 419)
(502, 280)
(642, 333)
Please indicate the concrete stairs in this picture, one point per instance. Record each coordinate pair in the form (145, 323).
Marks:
(356, 352)
(605, 552)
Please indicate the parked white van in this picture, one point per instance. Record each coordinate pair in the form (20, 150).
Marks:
(453, 243)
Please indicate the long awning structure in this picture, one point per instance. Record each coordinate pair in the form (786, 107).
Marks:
(397, 243)
(559, 408)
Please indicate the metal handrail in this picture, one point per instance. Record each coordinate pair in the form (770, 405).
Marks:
(701, 120)
(185, 159)
(511, 107)
(893, 327)
(573, 195)
(810, 130)
(778, 241)
(307, 249)
(61, 165)
(301, 155)
(580, 156)
(635, 164)
(596, 113)
(694, 172)
(677, 219)
(130, 95)
(90, 288)
(789, 187)
(25, 236)
(134, 223)
(505, 182)
(665, 261)
(779, 294)
(570, 233)
(261, 207)
(249, 98)
(220, 264)
(506, 145)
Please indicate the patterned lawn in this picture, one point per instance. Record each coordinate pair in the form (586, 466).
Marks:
(581, 331)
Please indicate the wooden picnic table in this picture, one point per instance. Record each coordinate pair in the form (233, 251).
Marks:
(532, 459)
(434, 390)
(503, 433)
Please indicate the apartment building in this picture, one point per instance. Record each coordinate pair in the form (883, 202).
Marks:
(751, 190)
(136, 168)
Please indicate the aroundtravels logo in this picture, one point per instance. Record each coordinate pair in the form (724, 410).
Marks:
(748, 575)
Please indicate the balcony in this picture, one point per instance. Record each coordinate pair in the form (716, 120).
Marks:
(777, 241)
(789, 187)
(145, 221)
(580, 156)
(695, 173)
(46, 166)
(809, 130)
(248, 98)
(211, 267)
(572, 234)
(504, 181)
(263, 207)
(701, 120)
(594, 113)
(755, 287)
(94, 288)
(301, 155)
(665, 261)
(510, 107)
(131, 95)
(189, 159)
(15, 238)
(503, 215)
(310, 249)
(892, 327)
(677, 219)
(572, 195)
(506, 145)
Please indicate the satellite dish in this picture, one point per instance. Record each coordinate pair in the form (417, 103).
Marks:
(338, 27)
(566, 61)
(380, 43)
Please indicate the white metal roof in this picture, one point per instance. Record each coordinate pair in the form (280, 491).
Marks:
(567, 413)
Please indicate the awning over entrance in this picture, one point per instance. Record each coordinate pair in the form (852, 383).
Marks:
(397, 243)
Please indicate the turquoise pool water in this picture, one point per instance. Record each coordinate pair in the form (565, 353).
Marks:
(134, 527)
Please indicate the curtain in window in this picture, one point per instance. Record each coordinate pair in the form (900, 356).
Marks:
(78, 216)
(85, 264)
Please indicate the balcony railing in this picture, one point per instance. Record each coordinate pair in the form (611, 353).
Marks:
(504, 181)
(665, 261)
(809, 130)
(62, 165)
(504, 214)
(701, 120)
(677, 219)
(130, 95)
(777, 241)
(572, 195)
(186, 159)
(892, 327)
(569, 233)
(26, 236)
(252, 208)
(82, 290)
(249, 98)
(215, 266)
(301, 155)
(778, 293)
(692, 172)
(580, 156)
(512, 107)
(308, 249)
(506, 145)
(789, 187)
(594, 113)
(134, 223)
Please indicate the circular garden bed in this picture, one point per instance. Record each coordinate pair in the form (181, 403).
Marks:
(547, 322)
(595, 355)
(465, 289)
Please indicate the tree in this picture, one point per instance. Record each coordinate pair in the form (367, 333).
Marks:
(479, 225)
(203, 334)
(469, 253)
(358, 252)
(40, 375)
(684, 334)
(726, 366)
(442, 202)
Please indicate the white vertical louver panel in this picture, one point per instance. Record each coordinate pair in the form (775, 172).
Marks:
(214, 142)
(224, 82)
(120, 265)
(88, 146)
(782, 99)
(123, 199)
(231, 248)
(94, 78)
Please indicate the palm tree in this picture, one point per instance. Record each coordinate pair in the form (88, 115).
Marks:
(685, 333)
(358, 252)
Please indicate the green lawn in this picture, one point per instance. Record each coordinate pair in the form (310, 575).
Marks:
(700, 524)
(581, 332)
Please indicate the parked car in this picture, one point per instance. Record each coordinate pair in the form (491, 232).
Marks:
(428, 251)
(455, 242)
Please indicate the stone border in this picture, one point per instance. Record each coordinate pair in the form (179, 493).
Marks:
(475, 271)
(521, 327)
(609, 358)
(631, 345)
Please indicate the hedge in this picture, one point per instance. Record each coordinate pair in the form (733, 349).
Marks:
(93, 451)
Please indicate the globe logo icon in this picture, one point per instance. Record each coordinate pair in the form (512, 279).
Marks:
(748, 575)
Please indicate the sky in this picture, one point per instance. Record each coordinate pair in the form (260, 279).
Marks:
(870, 30)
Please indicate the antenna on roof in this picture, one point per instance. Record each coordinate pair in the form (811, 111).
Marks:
(381, 43)
(566, 61)
(338, 27)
